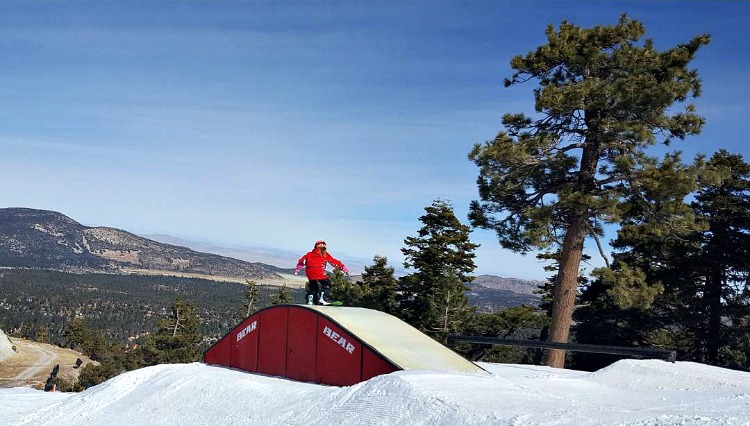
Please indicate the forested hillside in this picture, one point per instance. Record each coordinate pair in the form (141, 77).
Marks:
(121, 306)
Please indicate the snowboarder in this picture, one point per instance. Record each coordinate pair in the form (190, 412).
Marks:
(315, 263)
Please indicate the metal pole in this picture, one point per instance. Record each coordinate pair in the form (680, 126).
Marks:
(666, 355)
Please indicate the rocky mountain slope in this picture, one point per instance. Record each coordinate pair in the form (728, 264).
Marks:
(490, 293)
(50, 240)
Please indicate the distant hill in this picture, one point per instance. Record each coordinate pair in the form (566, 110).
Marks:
(281, 261)
(491, 293)
(50, 240)
(285, 260)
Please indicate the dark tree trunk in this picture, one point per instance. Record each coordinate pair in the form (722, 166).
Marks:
(566, 287)
(712, 298)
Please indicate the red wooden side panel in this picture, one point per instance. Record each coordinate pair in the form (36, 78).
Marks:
(244, 343)
(299, 344)
(219, 353)
(272, 341)
(374, 365)
(300, 349)
(339, 355)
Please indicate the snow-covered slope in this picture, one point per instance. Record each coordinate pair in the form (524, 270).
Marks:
(6, 348)
(626, 393)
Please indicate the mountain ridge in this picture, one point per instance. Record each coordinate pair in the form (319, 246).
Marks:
(50, 240)
(46, 239)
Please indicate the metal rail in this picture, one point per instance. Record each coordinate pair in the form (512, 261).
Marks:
(666, 355)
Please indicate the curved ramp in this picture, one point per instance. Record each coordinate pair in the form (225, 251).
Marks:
(331, 345)
(400, 343)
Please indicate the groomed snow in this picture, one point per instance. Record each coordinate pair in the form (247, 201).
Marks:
(630, 392)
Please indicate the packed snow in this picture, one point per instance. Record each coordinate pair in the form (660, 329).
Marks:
(629, 392)
(6, 348)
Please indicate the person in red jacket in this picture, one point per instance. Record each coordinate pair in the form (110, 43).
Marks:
(315, 263)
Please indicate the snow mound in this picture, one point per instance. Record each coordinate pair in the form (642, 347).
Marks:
(215, 395)
(6, 348)
(632, 393)
(681, 376)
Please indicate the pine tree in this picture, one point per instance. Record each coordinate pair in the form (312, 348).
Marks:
(725, 255)
(179, 337)
(433, 298)
(553, 179)
(42, 333)
(379, 286)
(343, 289)
(283, 296)
(77, 333)
(252, 295)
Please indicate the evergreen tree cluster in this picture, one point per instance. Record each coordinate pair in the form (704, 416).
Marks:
(696, 280)
(39, 303)
(177, 340)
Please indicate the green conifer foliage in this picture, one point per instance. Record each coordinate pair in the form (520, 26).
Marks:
(433, 298)
(77, 333)
(283, 296)
(552, 179)
(343, 289)
(379, 286)
(725, 260)
(703, 304)
(249, 304)
(179, 337)
(41, 333)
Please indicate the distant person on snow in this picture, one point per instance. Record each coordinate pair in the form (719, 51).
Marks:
(315, 263)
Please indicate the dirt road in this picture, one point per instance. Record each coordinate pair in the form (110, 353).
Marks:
(33, 362)
(44, 357)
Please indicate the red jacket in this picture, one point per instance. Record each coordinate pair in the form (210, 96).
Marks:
(315, 264)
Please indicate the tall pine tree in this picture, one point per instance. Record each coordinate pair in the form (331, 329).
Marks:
(433, 298)
(725, 256)
(553, 178)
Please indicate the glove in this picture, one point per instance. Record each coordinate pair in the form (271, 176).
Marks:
(297, 269)
(344, 269)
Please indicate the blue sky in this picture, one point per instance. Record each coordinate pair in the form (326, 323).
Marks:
(274, 124)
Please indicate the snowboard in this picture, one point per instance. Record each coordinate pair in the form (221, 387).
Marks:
(334, 303)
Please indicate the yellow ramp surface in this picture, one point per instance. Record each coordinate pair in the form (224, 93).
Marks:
(399, 342)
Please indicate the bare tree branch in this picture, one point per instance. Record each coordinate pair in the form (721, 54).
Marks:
(598, 244)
